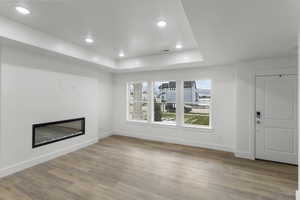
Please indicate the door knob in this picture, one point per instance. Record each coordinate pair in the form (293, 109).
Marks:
(258, 117)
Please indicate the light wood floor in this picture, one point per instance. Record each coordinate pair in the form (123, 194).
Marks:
(121, 168)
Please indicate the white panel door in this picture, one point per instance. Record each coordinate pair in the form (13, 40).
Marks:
(276, 118)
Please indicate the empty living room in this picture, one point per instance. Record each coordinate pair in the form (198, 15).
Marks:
(149, 99)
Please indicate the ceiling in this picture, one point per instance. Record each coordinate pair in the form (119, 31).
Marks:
(236, 30)
(223, 31)
(115, 25)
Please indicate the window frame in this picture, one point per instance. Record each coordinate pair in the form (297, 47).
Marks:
(128, 102)
(210, 126)
(179, 122)
(162, 123)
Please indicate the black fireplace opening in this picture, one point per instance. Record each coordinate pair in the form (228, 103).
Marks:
(50, 132)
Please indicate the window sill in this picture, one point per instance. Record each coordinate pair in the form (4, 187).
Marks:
(164, 124)
(138, 122)
(207, 129)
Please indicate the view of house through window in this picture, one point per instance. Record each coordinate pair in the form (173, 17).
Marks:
(164, 94)
(197, 100)
(138, 101)
(195, 108)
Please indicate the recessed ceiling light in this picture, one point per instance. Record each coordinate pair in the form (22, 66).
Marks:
(22, 10)
(161, 24)
(89, 40)
(121, 54)
(179, 46)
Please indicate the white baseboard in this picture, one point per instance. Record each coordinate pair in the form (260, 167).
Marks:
(245, 155)
(239, 154)
(43, 158)
(104, 133)
(174, 141)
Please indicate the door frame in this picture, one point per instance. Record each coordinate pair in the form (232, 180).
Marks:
(274, 72)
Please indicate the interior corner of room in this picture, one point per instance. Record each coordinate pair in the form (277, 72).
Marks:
(124, 95)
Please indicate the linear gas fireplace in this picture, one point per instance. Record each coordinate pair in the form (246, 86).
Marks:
(50, 132)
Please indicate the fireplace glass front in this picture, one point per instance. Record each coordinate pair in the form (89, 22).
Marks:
(51, 132)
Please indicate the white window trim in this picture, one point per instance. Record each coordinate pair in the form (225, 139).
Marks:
(182, 107)
(128, 101)
(150, 101)
(171, 124)
(197, 127)
(179, 123)
(164, 124)
(179, 102)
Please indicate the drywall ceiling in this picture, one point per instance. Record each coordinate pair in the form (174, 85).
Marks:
(115, 25)
(233, 30)
(222, 31)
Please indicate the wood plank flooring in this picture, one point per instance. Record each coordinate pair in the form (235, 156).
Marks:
(122, 168)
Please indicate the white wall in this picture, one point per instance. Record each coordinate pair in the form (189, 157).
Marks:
(245, 115)
(223, 117)
(298, 193)
(233, 88)
(105, 104)
(41, 88)
(35, 87)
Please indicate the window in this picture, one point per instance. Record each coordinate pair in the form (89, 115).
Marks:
(157, 102)
(197, 102)
(138, 101)
(164, 100)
